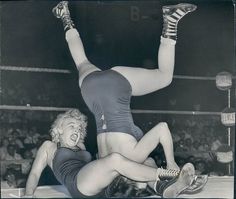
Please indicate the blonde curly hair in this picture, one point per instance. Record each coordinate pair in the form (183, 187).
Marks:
(72, 113)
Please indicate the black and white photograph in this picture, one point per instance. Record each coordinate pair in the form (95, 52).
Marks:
(117, 98)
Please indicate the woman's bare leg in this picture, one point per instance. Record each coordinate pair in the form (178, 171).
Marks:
(78, 54)
(161, 77)
(98, 174)
(149, 80)
(151, 163)
(74, 42)
(160, 134)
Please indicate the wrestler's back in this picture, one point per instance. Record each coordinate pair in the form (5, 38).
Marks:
(118, 142)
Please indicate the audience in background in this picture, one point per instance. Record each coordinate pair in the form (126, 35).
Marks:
(35, 148)
(217, 142)
(23, 132)
(26, 165)
(14, 139)
(11, 153)
(32, 136)
(3, 148)
(12, 179)
(204, 146)
(188, 144)
(200, 167)
(181, 147)
(195, 146)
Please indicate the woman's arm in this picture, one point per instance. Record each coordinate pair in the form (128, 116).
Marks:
(39, 164)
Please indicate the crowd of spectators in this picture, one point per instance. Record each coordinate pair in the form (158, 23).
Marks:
(195, 138)
(17, 150)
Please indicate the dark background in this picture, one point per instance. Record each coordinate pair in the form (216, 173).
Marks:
(31, 36)
(112, 35)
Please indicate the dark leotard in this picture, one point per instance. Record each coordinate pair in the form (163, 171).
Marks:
(66, 165)
(107, 94)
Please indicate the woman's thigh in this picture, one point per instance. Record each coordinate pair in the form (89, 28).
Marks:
(95, 176)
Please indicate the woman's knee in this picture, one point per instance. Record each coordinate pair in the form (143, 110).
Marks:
(150, 162)
(169, 78)
(83, 64)
(162, 126)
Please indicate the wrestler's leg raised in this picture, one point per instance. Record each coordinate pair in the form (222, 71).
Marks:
(144, 81)
(139, 151)
(74, 41)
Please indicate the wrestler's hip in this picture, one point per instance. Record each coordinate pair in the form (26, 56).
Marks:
(115, 142)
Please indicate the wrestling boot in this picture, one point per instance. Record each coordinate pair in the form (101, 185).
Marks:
(172, 15)
(167, 174)
(62, 12)
(172, 188)
(197, 185)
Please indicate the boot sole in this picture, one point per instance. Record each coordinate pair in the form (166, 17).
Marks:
(184, 180)
(197, 185)
(181, 6)
(62, 3)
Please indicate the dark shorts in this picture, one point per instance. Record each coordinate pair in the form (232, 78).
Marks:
(108, 94)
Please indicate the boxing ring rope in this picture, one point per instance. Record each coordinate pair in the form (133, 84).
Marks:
(33, 69)
(64, 71)
(45, 108)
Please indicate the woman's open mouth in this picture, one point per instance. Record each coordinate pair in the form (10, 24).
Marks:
(74, 137)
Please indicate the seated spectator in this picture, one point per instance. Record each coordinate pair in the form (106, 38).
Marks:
(3, 148)
(181, 146)
(175, 137)
(26, 165)
(28, 155)
(204, 146)
(11, 153)
(188, 133)
(12, 180)
(36, 147)
(201, 167)
(14, 139)
(32, 136)
(195, 145)
(188, 144)
(217, 142)
(182, 135)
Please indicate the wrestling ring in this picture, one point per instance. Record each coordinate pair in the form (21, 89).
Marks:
(216, 187)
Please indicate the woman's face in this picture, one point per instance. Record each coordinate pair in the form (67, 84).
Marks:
(5, 142)
(70, 134)
(10, 178)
